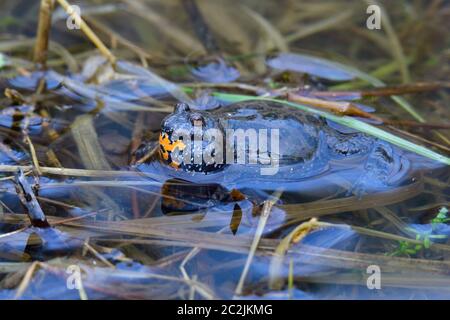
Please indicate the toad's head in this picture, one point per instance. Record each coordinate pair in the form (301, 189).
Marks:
(190, 140)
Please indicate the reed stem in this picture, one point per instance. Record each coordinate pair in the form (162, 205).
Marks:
(43, 32)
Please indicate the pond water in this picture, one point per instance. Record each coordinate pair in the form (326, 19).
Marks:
(356, 207)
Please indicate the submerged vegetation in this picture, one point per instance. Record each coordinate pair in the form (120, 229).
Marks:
(83, 215)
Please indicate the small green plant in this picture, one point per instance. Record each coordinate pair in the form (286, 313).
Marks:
(441, 217)
(407, 248)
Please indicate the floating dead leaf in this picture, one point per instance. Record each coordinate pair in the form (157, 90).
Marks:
(300, 232)
(236, 218)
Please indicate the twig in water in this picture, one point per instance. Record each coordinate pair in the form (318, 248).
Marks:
(26, 279)
(258, 233)
(29, 201)
(33, 155)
